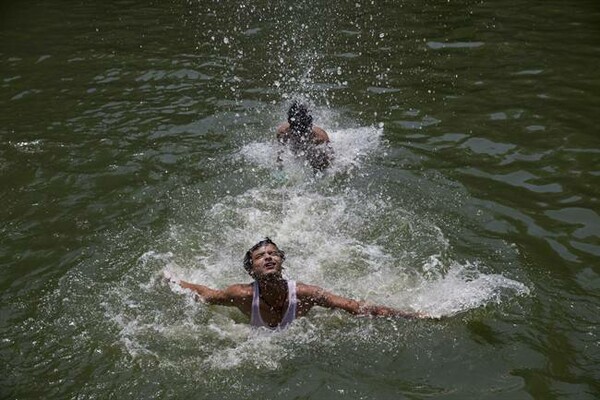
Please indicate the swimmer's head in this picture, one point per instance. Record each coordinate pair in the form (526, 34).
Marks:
(299, 118)
(248, 257)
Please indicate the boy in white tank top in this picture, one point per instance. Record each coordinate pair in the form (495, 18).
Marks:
(273, 302)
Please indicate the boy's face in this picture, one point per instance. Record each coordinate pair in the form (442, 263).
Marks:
(266, 262)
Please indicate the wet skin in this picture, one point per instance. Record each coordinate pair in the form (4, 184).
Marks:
(266, 270)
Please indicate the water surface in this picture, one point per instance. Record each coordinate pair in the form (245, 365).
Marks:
(138, 137)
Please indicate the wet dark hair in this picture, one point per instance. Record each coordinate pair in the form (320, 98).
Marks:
(299, 118)
(264, 242)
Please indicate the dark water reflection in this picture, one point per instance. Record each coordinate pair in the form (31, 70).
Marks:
(125, 127)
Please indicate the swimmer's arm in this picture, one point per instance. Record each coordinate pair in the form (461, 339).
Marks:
(329, 300)
(321, 138)
(320, 135)
(231, 296)
(282, 130)
(281, 138)
(383, 311)
(204, 293)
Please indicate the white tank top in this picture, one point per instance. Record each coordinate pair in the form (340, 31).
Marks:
(290, 314)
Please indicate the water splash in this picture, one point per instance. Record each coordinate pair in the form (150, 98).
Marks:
(351, 146)
(349, 237)
(447, 290)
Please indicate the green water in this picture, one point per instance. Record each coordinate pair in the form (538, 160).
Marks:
(138, 136)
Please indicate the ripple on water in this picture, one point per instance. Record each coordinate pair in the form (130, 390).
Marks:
(486, 146)
(454, 45)
(522, 179)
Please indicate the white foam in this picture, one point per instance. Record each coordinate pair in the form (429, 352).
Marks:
(32, 146)
(352, 241)
(352, 146)
(447, 290)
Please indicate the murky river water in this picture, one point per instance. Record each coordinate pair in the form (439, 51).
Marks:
(138, 137)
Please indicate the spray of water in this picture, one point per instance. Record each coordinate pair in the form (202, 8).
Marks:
(350, 238)
(341, 229)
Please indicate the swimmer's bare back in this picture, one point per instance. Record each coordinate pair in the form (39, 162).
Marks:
(319, 136)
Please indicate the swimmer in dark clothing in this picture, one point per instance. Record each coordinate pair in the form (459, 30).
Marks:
(305, 139)
(272, 301)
